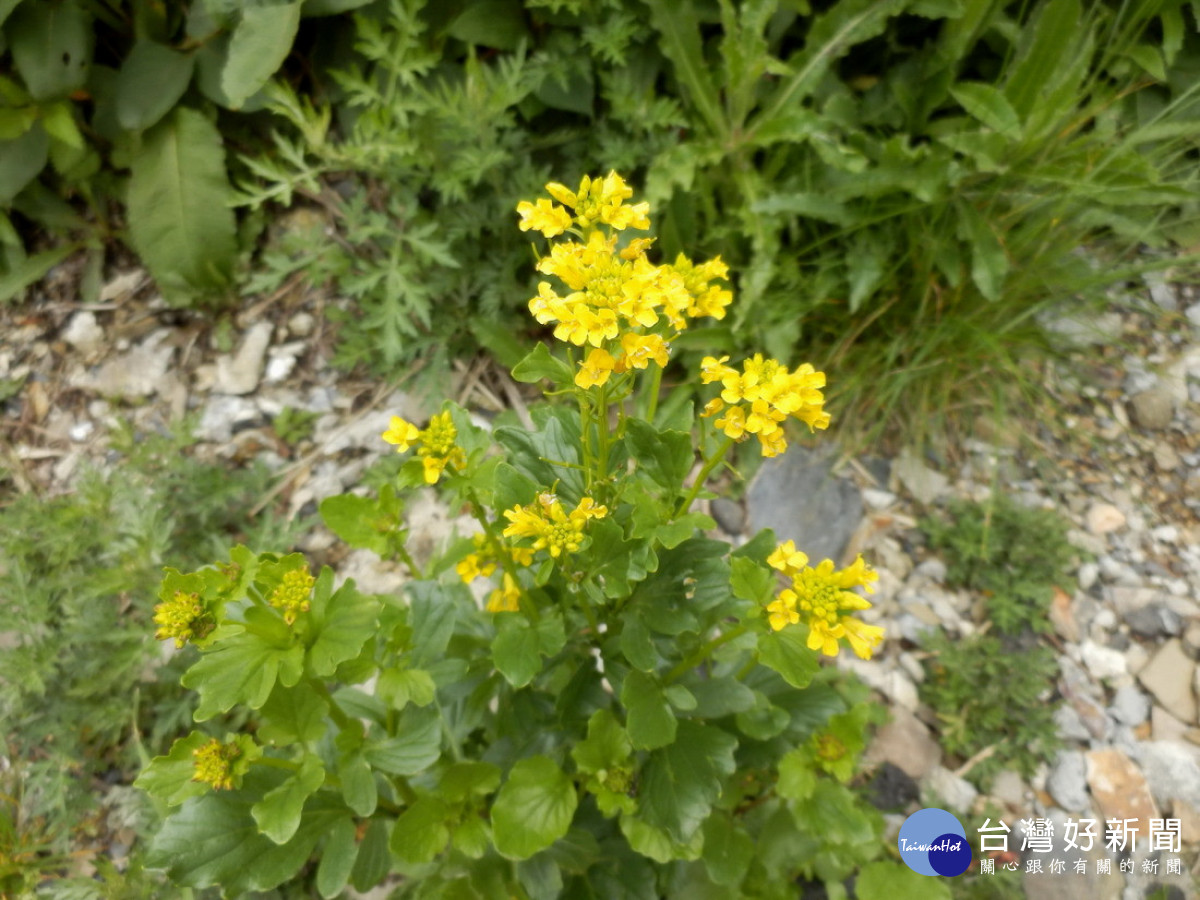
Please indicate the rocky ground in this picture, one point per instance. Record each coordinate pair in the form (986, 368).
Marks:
(1120, 458)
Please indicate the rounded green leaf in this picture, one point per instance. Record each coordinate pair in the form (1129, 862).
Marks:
(533, 809)
(21, 160)
(260, 43)
(649, 718)
(151, 81)
(51, 45)
(278, 812)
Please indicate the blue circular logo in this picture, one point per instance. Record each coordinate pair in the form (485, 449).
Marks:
(933, 842)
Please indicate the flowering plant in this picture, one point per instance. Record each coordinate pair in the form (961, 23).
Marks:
(585, 697)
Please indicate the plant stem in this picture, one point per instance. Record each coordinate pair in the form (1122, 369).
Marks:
(709, 464)
(654, 389)
(704, 651)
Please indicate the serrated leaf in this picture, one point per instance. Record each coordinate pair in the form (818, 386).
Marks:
(468, 779)
(648, 717)
(342, 626)
(666, 456)
(292, 714)
(169, 778)
(417, 746)
(750, 580)
(399, 687)
(51, 46)
(533, 809)
(989, 263)
(989, 106)
(680, 782)
(636, 645)
(433, 616)
(421, 832)
(606, 746)
(278, 812)
(257, 48)
(787, 653)
(797, 778)
(539, 364)
(361, 522)
(178, 205)
(240, 670)
(1041, 54)
(152, 79)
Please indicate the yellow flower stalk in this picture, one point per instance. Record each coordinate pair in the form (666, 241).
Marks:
(550, 525)
(436, 445)
(483, 562)
(506, 598)
(213, 764)
(760, 398)
(819, 597)
(291, 596)
(185, 617)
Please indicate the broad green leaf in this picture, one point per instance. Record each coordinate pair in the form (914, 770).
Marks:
(31, 269)
(577, 93)
(515, 649)
(989, 106)
(278, 812)
(787, 653)
(636, 645)
(468, 779)
(666, 456)
(337, 859)
(680, 782)
(358, 784)
(6, 8)
(342, 626)
(533, 809)
(751, 580)
(314, 8)
(540, 877)
(21, 159)
(606, 746)
(363, 522)
(416, 748)
(805, 205)
(618, 562)
(680, 697)
(472, 838)
(178, 204)
(59, 121)
(259, 44)
(169, 778)
(213, 839)
(719, 697)
(728, 849)
(656, 844)
(374, 858)
(15, 122)
(1041, 53)
(399, 687)
(648, 716)
(491, 23)
(240, 670)
(291, 715)
(797, 777)
(51, 46)
(989, 262)
(762, 721)
(151, 81)
(887, 880)
(433, 617)
(421, 832)
(539, 364)
(512, 488)
(547, 455)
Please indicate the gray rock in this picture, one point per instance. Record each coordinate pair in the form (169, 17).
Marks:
(1070, 725)
(1153, 620)
(906, 743)
(301, 324)
(1009, 789)
(1169, 677)
(933, 569)
(1193, 314)
(83, 333)
(1153, 409)
(1067, 781)
(1161, 293)
(1130, 706)
(1102, 662)
(922, 483)
(1172, 769)
(1191, 639)
(796, 496)
(136, 373)
(1081, 326)
(239, 374)
(1089, 572)
(877, 499)
(730, 515)
(220, 416)
(956, 793)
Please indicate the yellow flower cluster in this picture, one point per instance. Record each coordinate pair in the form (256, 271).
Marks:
(483, 562)
(819, 597)
(184, 617)
(436, 444)
(213, 764)
(619, 303)
(292, 593)
(760, 398)
(550, 525)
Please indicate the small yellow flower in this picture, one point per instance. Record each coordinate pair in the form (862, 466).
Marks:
(403, 434)
(787, 559)
(760, 398)
(783, 610)
(185, 617)
(506, 598)
(214, 764)
(864, 639)
(436, 444)
(545, 217)
(596, 369)
(819, 597)
(291, 596)
(474, 566)
(602, 200)
(641, 350)
(551, 526)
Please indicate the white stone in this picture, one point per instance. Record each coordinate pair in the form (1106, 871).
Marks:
(301, 324)
(923, 483)
(1167, 533)
(957, 793)
(1103, 663)
(83, 333)
(877, 499)
(1103, 518)
(1089, 572)
(239, 373)
(136, 373)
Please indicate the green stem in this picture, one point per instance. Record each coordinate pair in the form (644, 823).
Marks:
(704, 651)
(709, 464)
(406, 558)
(602, 427)
(655, 388)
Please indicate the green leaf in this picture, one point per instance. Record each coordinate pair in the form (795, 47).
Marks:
(433, 617)
(764, 720)
(417, 747)
(291, 715)
(213, 839)
(1041, 54)
(337, 859)
(648, 716)
(51, 46)
(680, 782)
(541, 364)
(169, 778)
(374, 859)
(259, 45)
(989, 263)
(718, 697)
(178, 204)
(533, 809)
(314, 8)
(421, 832)
(240, 670)
(750, 580)
(491, 23)
(797, 778)
(636, 645)
(1149, 59)
(465, 780)
(21, 160)
(666, 456)
(343, 625)
(358, 784)
(728, 849)
(656, 844)
(399, 687)
(989, 106)
(278, 812)
(363, 522)
(787, 653)
(515, 649)
(151, 81)
(606, 746)
(887, 880)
